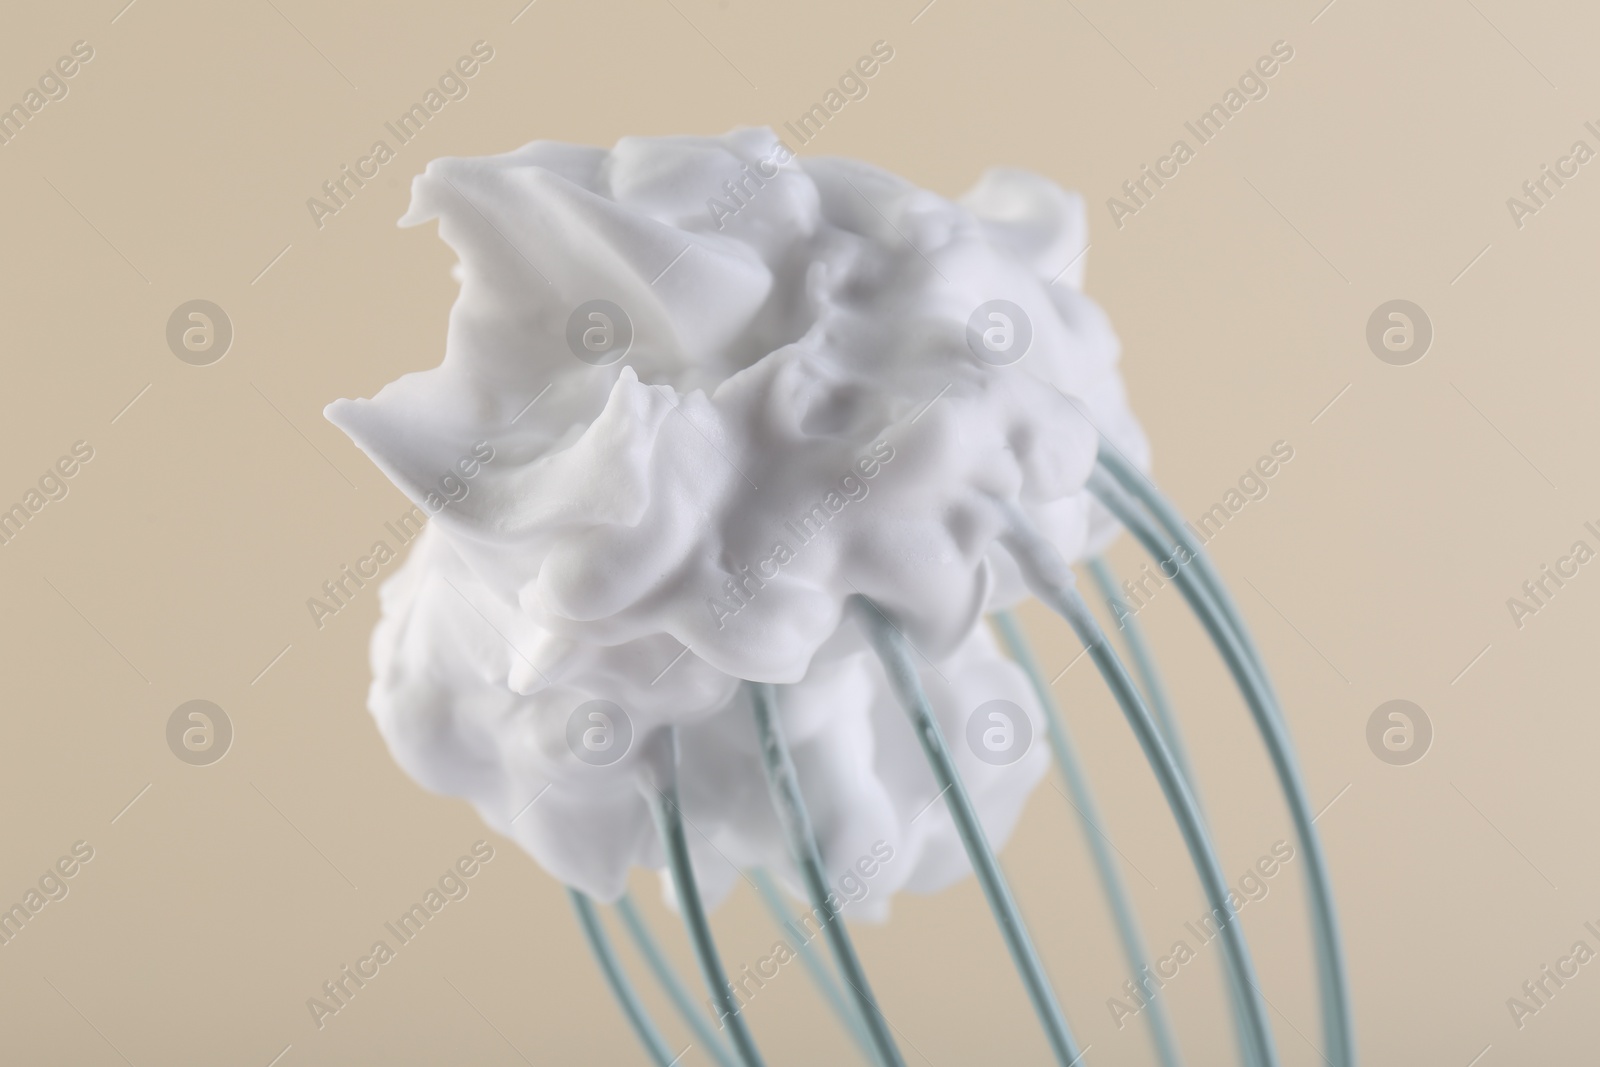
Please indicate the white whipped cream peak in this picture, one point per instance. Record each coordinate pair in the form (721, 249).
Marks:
(828, 315)
(726, 389)
(445, 650)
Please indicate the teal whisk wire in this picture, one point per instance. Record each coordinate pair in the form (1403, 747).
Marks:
(1051, 580)
(1088, 815)
(667, 977)
(784, 784)
(813, 962)
(1119, 485)
(894, 652)
(1162, 532)
(1156, 694)
(661, 793)
(621, 988)
(1144, 664)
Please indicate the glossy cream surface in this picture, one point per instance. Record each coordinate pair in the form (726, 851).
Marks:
(786, 400)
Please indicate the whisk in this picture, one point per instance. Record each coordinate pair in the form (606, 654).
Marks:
(1159, 529)
(819, 323)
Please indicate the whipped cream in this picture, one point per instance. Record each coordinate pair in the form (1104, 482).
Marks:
(765, 358)
(711, 429)
(475, 700)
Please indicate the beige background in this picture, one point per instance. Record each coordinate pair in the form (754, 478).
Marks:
(178, 567)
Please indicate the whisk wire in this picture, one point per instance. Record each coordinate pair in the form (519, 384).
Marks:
(1051, 580)
(1163, 533)
(812, 960)
(1119, 485)
(661, 792)
(895, 654)
(1155, 693)
(621, 988)
(784, 784)
(1083, 802)
(667, 977)
(1144, 666)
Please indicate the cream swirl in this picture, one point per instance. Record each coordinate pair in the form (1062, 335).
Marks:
(767, 353)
